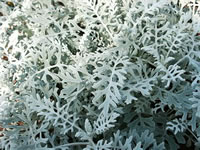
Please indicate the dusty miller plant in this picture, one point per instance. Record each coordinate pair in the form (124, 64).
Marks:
(99, 74)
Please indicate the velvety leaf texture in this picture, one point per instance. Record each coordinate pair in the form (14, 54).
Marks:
(99, 74)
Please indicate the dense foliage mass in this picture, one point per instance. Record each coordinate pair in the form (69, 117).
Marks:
(99, 74)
